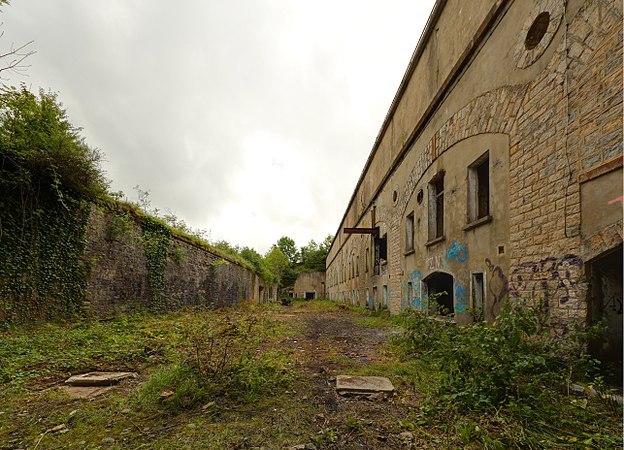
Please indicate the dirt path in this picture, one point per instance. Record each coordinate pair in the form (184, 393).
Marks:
(333, 343)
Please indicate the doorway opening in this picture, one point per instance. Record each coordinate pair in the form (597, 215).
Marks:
(439, 290)
(605, 305)
(310, 295)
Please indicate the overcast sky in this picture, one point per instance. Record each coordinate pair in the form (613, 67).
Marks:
(251, 119)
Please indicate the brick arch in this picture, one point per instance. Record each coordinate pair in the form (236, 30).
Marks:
(493, 112)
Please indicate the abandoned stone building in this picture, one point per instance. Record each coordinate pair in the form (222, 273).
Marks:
(497, 172)
(309, 285)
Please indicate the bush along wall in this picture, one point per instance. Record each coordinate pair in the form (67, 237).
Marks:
(47, 175)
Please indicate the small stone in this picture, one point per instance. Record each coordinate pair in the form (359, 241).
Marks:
(126, 411)
(166, 394)
(107, 441)
(58, 429)
(406, 436)
(304, 398)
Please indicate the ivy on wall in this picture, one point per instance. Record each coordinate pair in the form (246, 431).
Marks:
(155, 237)
(42, 273)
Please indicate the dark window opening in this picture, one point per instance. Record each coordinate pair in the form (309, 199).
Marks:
(419, 196)
(439, 287)
(310, 295)
(478, 295)
(367, 258)
(381, 252)
(537, 31)
(409, 232)
(479, 188)
(436, 206)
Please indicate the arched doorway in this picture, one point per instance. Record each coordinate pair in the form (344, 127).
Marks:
(439, 286)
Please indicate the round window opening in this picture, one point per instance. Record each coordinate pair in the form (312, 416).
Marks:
(419, 197)
(537, 31)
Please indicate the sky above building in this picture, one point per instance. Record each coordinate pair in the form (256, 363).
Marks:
(249, 119)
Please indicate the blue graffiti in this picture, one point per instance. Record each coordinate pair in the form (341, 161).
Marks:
(458, 252)
(413, 299)
(460, 298)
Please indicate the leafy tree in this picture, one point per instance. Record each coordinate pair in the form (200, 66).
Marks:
(277, 263)
(288, 247)
(313, 255)
(259, 263)
(38, 146)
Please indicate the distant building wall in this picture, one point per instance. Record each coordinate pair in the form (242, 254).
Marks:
(308, 284)
(497, 173)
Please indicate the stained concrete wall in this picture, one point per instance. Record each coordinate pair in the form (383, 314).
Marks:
(313, 282)
(193, 275)
(550, 115)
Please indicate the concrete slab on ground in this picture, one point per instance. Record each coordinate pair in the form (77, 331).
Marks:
(349, 384)
(99, 378)
(88, 392)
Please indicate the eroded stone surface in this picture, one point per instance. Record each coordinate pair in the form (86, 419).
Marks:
(88, 392)
(99, 378)
(348, 384)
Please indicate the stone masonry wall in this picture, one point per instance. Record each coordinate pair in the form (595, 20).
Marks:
(564, 127)
(193, 275)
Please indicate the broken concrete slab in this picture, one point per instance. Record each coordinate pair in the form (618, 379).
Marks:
(87, 392)
(100, 378)
(359, 385)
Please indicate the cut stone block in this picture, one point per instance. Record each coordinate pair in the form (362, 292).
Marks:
(100, 378)
(348, 384)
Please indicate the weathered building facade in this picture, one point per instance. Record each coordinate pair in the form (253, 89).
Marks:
(309, 285)
(497, 173)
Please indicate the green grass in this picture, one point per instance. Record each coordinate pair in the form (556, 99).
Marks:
(256, 399)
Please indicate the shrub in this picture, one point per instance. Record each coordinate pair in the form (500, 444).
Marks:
(39, 147)
(507, 363)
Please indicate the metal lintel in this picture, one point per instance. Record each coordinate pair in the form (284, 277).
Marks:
(374, 231)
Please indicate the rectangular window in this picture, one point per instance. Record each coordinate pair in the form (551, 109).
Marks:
(374, 299)
(436, 206)
(478, 294)
(384, 299)
(367, 258)
(479, 188)
(409, 232)
(410, 294)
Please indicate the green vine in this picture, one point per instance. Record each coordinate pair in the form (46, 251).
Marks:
(155, 237)
(42, 240)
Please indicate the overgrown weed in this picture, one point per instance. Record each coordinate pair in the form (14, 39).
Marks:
(514, 370)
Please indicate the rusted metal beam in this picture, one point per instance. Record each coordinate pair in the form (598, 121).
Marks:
(373, 231)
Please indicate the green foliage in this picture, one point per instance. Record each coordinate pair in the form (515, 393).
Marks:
(39, 148)
(278, 264)
(155, 237)
(508, 363)
(288, 247)
(313, 255)
(46, 173)
(42, 274)
(219, 358)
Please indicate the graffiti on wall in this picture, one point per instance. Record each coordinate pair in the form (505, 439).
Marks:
(460, 298)
(550, 275)
(457, 252)
(498, 287)
(412, 299)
